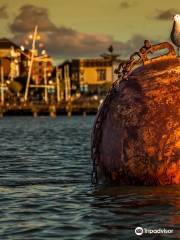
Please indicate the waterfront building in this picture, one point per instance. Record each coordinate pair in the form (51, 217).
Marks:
(88, 76)
(13, 61)
(42, 69)
(14, 68)
(95, 75)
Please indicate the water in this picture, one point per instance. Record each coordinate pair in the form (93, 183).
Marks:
(45, 190)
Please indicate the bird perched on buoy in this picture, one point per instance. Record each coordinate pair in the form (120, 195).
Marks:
(175, 33)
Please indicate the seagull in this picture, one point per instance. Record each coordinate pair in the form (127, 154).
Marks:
(175, 33)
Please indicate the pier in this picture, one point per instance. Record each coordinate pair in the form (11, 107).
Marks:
(30, 84)
(39, 108)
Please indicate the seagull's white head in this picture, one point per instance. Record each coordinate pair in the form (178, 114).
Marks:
(176, 18)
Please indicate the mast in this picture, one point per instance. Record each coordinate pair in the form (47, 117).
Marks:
(31, 63)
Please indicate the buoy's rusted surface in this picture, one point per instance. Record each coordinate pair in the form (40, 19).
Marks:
(136, 134)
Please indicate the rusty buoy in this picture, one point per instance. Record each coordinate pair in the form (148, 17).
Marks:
(136, 134)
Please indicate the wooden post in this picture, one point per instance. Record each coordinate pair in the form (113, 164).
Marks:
(31, 63)
(69, 114)
(35, 114)
(52, 111)
(34, 111)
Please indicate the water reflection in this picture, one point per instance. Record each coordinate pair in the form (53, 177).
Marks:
(124, 208)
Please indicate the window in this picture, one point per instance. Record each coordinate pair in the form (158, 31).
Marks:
(101, 74)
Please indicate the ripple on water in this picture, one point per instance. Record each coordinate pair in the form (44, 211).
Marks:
(45, 190)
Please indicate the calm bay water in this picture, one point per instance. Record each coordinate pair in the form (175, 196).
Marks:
(45, 189)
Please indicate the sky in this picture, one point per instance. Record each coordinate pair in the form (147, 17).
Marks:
(86, 28)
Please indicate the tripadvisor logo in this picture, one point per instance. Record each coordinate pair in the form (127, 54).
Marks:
(139, 231)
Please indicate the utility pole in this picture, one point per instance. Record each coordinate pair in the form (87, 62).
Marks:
(68, 91)
(12, 65)
(67, 84)
(2, 84)
(58, 85)
(31, 63)
(45, 82)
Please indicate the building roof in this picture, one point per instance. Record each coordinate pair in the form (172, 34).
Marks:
(6, 44)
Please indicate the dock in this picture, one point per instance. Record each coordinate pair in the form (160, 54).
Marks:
(39, 108)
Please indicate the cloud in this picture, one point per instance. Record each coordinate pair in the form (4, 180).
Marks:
(64, 42)
(126, 5)
(29, 16)
(68, 43)
(134, 44)
(3, 12)
(165, 14)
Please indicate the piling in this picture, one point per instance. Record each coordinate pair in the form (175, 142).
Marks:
(52, 111)
(69, 114)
